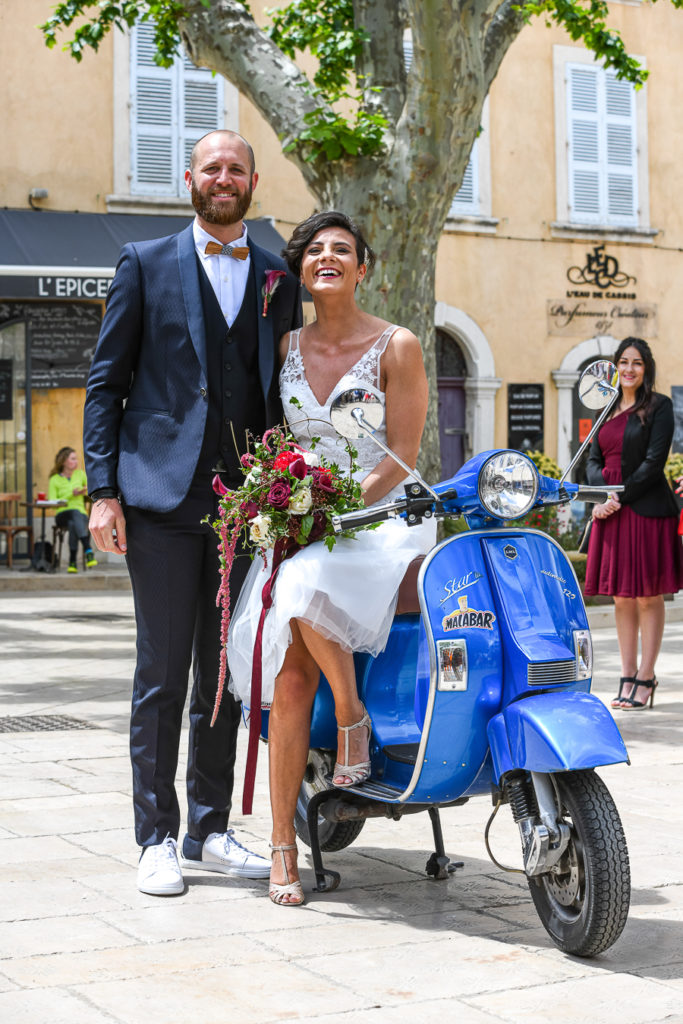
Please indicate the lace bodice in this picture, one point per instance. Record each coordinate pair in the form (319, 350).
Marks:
(312, 419)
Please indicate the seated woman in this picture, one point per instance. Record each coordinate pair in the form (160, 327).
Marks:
(329, 604)
(68, 483)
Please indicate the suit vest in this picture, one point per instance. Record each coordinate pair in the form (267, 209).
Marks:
(236, 401)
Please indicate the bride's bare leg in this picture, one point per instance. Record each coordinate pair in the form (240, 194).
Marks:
(289, 731)
(338, 668)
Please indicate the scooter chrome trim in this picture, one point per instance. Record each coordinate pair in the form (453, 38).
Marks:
(433, 667)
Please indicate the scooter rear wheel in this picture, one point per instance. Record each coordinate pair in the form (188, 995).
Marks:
(583, 902)
(333, 835)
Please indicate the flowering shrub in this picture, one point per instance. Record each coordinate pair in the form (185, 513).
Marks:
(287, 501)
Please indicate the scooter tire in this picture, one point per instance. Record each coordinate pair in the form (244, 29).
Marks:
(332, 835)
(584, 904)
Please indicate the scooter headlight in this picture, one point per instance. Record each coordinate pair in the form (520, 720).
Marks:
(583, 646)
(508, 485)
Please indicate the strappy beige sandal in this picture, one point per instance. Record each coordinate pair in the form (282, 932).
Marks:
(278, 892)
(357, 773)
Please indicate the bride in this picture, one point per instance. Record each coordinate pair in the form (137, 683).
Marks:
(328, 604)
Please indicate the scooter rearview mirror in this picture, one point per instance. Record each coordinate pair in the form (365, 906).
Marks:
(598, 384)
(353, 411)
(357, 413)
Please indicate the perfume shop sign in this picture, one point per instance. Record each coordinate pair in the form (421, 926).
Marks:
(585, 315)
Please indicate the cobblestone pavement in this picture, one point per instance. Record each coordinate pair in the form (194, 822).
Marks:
(80, 944)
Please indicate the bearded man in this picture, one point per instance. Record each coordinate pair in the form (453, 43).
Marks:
(186, 362)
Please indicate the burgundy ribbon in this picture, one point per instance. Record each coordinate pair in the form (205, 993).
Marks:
(282, 549)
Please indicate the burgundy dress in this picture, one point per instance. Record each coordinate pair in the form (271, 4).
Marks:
(630, 555)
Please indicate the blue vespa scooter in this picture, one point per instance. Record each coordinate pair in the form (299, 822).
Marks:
(484, 688)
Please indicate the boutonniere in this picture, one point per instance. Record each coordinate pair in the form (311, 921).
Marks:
(270, 287)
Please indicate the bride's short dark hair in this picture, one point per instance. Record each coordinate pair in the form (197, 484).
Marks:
(305, 232)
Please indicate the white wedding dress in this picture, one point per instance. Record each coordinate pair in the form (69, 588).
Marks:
(347, 594)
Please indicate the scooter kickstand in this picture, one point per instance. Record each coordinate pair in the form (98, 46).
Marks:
(439, 865)
(321, 874)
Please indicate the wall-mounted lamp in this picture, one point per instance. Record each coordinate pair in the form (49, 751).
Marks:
(37, 193)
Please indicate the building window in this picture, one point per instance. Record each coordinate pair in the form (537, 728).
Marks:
(170, 109)
(467, 199)
(601, 129)
(602, 151)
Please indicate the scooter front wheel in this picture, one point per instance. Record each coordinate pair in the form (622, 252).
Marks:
(333, 835)
(583, 901)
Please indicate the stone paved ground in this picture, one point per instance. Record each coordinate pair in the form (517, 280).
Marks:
(80, 945)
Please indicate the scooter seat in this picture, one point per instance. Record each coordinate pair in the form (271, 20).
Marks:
(408, 602)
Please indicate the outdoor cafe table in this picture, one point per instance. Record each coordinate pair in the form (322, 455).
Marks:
(43, 564)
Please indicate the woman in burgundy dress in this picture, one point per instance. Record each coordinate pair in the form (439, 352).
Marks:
(635, 552)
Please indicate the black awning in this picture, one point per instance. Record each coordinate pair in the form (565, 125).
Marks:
(49, 238)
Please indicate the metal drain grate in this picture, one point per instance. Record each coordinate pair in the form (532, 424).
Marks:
(42, 723)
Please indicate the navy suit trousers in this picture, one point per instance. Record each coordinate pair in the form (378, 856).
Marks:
(174, 568)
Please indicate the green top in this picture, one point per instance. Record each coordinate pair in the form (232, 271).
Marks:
(61, 488)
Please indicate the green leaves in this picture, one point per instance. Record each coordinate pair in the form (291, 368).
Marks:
(585, 20)
(105, 15)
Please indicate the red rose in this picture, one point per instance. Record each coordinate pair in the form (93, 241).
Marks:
(283, 460)
(249, 509)
(278, 495)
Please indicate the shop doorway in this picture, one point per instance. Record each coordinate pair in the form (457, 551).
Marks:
(451, 370)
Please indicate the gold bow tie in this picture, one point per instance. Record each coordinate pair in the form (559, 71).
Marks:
(238, 252)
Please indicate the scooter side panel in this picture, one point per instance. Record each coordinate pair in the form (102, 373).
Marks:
(554, 732)
(457, 605)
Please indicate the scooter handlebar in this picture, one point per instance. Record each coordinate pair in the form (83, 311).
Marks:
(596, 495)
(367, 516)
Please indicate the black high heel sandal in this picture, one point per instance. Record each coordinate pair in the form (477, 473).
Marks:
(629, 704)
(616, 701)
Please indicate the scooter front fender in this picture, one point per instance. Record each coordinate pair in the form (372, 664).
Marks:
(554, 732)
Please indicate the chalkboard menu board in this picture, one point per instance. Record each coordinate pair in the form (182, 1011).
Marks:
(677, 399)
(5, 389)
(63, 339)
(525, 417)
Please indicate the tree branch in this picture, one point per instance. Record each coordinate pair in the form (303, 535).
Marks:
(382, 63)
(226, 39)
(505, 25)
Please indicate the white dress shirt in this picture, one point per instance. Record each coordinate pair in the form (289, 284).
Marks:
(227, 275)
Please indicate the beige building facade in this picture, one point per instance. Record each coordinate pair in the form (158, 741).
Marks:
(566, 236)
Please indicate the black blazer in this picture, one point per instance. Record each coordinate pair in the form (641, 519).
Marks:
(147, 396)
(644, 452)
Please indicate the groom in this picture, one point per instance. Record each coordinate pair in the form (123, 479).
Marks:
(185, 364)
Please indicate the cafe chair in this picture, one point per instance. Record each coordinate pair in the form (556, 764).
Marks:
(59, 534)
(9, 523)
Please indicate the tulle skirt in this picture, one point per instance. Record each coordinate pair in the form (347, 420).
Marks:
(347, 594)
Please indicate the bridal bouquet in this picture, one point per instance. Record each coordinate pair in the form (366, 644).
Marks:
(286, 501)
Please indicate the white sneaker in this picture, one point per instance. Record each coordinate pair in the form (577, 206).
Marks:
(222, 852)
(159, 872)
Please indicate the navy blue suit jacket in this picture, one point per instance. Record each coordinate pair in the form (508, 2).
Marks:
(147, 394)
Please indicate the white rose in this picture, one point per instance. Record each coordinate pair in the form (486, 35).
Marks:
(310, 458)
(300, 501)
(259, 530)
(253, 475)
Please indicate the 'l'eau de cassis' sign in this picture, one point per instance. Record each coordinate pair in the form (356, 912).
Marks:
(603, 305)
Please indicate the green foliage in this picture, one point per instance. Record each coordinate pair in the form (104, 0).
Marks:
(328, 31)
(674, 466)
(165, 13)
(585, 20)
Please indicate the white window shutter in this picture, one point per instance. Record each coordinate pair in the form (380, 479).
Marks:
(467, 199)
(601, 147)
(153, 117)
(202, 100)
(171, 109)
(584, 144)
(621, 150)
